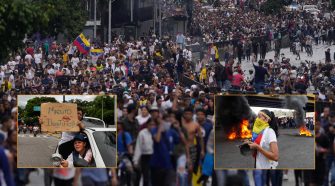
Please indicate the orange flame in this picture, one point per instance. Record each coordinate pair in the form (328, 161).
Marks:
(243, 131)
(304, 131)
(232, 135)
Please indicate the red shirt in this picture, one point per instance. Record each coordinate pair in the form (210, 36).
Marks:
(237, 80)
(30, 51)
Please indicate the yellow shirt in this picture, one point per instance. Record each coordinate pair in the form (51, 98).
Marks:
(65, 58)
(216, 53)
(4, 88)
(99, 68)
(203, 74)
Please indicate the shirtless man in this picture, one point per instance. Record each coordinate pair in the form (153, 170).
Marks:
(193, 131)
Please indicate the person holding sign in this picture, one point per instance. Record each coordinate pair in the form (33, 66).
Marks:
(65, 145)
(81, 152)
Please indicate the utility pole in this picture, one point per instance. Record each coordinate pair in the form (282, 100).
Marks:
(160, 18)
(109, 22)
(131, 11)
(155, 16)
(95, 20)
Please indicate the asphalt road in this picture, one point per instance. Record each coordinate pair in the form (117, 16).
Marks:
(294, 151)
(35, 151)
(37, 179)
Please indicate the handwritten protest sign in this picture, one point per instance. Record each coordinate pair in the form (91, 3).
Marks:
(59, 117)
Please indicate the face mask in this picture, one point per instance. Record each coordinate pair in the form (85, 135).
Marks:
(166, 125)
(259, 125)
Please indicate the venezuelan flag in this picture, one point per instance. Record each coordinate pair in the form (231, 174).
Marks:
(96, 52)
(82, 44)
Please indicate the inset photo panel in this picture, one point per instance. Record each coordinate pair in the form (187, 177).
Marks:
(264, 132)
(66, 131)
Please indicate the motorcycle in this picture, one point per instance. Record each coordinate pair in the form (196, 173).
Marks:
(35, 130)
(24, 129)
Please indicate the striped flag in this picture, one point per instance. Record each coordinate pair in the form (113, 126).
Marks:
(82, 44)
(95, 54)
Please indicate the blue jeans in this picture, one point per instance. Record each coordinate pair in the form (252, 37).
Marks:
(219, 84)
(245, 176)
(227, 85)
(276, 177)
(329, 164)
(259, 87)
(242, 173)
(259, 177)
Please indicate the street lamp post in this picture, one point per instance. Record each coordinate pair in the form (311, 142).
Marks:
(109, 22)
(160, 18)
(102, 108)
(95, 20)
(155, 16)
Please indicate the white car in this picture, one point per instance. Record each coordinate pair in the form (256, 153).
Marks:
(102, 142)
(293, 7)
(307, 7)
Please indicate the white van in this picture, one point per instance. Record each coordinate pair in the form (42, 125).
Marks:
(308, 7)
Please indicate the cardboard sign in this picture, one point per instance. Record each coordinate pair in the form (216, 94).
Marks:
(59, 117)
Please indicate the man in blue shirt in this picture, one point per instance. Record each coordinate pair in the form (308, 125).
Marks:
(5, 168)
(260, 73)
(180, 40)
(161, 163)
(124, 141)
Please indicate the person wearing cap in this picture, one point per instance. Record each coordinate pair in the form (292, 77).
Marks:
(264, 140)
(81, 150)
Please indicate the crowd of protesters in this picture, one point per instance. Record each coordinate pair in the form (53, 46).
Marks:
(165, 125)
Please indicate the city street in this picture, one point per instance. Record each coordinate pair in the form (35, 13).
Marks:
(294, 151)
(35, 151)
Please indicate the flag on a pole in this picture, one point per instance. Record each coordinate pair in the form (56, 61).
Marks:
(82, 44)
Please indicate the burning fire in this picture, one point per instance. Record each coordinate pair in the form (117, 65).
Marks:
(243, 131)
(304, 131)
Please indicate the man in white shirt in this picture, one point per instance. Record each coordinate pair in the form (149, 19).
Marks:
(28, 57)
(106, 49)
(2, 75)
(11, 64)
(38, 56)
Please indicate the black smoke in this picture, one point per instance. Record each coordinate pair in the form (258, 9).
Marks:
(230, 111)
(296, 103)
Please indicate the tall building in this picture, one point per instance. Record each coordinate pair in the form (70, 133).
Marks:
(136, 18)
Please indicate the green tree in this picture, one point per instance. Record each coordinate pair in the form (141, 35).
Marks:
(25, 17)
(20, 112)
(65, 16)
(272, 6)
(17, 18)
(30, 116)
(95, 109)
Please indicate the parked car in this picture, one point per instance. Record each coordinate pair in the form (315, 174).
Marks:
(293, 7)
(102, 142)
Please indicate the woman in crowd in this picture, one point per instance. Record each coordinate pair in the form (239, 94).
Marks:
(264, 140)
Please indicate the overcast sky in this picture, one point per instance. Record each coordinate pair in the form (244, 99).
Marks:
(23, 99)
